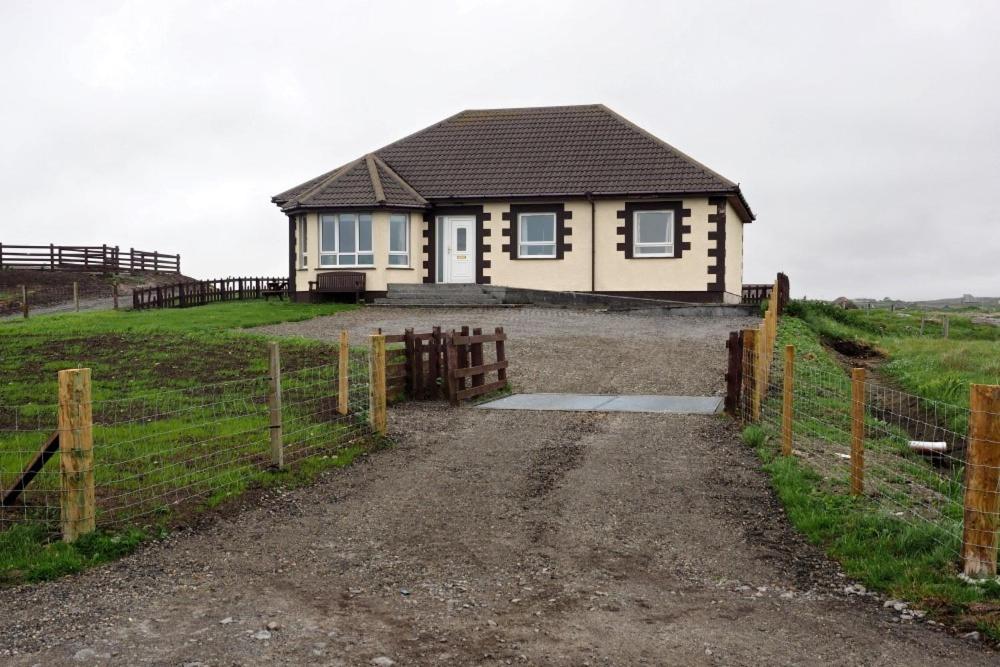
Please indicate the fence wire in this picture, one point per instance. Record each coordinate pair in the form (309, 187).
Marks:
(914, 467)
(159, 456)
(51, 299)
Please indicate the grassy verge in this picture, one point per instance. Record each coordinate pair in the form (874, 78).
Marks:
(180, 420)
(929, 365)
(902, 536)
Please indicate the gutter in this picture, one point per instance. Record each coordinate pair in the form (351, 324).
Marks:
(593, 244)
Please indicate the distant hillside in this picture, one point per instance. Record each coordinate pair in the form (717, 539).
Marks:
(966, 301)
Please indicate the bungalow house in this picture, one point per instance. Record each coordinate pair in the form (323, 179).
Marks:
(573, 198)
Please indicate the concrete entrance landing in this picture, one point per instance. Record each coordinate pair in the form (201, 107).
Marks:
(687, 405)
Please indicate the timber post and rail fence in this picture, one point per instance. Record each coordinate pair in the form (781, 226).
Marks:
(97, 258)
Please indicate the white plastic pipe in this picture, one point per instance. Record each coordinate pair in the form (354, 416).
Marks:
(922, 446)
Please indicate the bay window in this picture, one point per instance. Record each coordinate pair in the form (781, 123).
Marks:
(345, 239)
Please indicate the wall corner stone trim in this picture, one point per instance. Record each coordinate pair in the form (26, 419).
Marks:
(717, 233)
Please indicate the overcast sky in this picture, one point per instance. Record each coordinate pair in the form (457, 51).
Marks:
(866, 135)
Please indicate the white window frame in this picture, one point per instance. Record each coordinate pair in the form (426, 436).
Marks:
(670, 242)
(336, 254)
(520, 236)
(303, 242)
(405, 253)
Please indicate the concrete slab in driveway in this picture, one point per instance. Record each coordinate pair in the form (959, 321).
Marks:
(687, 405)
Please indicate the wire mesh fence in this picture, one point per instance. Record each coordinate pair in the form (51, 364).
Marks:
(158, 456)
(60, 298)
(908, 458)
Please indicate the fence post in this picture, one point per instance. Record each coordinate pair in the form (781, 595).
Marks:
(922, 320)
(786, 406)
(750, 367)
(450, 365)
(343, 360)
(24, 300)
(946, 321)
(477, 358)
(76, 296)
(501, 355)
(982, 483)
(758, 374)
(376, 386)
(734, 373)
(274, 405)
(857, 431)
(114, 293)
(76, 448)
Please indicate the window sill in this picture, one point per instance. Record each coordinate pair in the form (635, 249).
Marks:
(347, 268)
(400, 268)
(534, 258)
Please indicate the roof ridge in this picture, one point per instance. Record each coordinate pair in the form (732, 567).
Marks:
(399, 179)
(376, 181)
(548, 108)
(649, 135)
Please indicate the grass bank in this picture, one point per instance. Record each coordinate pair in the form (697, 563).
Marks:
(180, 420)
(902, 536)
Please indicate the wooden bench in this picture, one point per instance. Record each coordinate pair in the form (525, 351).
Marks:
(276, 288)
(339, 282)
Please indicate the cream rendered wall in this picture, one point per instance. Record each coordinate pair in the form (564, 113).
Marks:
(614, 273)
(572, 273)
(377, 278)
(689, 273)
(734, 255)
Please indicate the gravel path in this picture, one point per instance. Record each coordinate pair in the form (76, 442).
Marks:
(491, 537)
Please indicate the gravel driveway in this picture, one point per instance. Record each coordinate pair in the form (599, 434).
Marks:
(561, 350)
(493, 538)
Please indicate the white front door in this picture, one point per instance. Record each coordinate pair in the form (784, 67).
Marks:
(460, 249)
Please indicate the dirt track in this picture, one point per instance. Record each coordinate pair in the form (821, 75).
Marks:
(490, 538)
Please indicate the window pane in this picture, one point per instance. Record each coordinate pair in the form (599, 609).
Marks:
(535, 250)
(346, 227)
(460, 240)
(538, 227)
(327, 260)
(654, 250)
(366, 259)
(397, 233)
(347, 260)
(365, 233)
(328, 231)
(654, 226)
(397, 260)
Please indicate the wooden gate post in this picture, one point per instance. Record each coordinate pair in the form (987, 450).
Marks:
(450, 366)
(343, 374)
(24, 301)
(750, 338)
(501, 355)
(376, 387)
(982, 483)
(857, 431)
(76, 454)
(734, 373)
(746, 390)
(76, 296)
(274, 406)
(114, 293)
(786, 404)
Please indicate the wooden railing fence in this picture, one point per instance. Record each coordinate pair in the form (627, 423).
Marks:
(452, 365)
(183, 295)
(101, 258)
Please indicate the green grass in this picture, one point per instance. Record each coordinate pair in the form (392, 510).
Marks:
(180, 420)
(928, 365)
(902, 536)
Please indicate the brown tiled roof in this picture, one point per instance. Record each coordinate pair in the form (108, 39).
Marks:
(542, 151)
